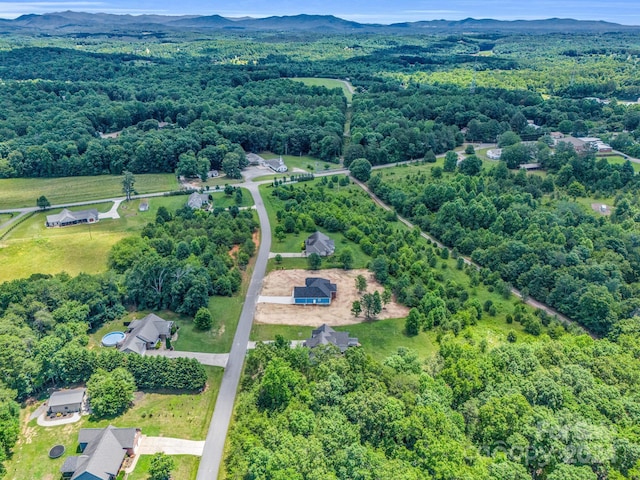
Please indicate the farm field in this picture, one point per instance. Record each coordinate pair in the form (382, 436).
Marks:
(157, 414)
(33, 248)
(23, 192)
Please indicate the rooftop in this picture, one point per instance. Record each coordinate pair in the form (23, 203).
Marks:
(66, 397)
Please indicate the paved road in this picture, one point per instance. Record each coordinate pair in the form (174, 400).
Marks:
(214, 446)
(211, 359)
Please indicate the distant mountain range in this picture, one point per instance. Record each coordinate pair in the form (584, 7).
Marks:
(95, 23)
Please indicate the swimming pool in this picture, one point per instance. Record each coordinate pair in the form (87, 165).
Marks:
(112, 339)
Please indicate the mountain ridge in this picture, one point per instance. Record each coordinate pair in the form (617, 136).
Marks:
(81, 22)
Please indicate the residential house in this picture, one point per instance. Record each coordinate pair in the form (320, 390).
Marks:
(319, 243)
(66, 401)
(325, 335)
(198, 200)
(102, 452)
(144, 334)
(317, 291)
(277, 165)
(66, 218)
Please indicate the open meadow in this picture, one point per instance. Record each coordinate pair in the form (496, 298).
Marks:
(23, 192)
(33, 248)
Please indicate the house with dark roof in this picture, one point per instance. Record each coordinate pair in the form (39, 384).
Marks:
(325, 335)
(319, 243)
(102, 452)
(198, 200)
(66, 401)
(317, 291)
(144, 334)
(67, 218)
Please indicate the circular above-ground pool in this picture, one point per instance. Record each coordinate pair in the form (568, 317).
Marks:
(56, 452)
(112, 339)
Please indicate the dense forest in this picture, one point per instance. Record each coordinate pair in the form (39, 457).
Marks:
(527, 229)
(213, 97)
(557, 409)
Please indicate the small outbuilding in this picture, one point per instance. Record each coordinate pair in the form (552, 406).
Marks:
(317, 291)
(66, 401)
(319, 243)
(325, 335)
(144, 205)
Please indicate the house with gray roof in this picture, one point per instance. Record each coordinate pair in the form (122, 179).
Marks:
(317, 291)
(198, 200)
(144, 334)
(66, 401)
(325, 335)
(277, 165)
(319, 243)
(67, 218)
(102, 452)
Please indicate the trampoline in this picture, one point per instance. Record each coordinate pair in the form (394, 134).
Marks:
(112, 339)
(56, 451)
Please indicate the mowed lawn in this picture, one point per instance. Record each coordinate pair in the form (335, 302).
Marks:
(329, 83)
(23, 192)
(185, 467)
(184, 416)
(33, 248)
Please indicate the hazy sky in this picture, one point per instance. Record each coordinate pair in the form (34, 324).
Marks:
(366, 11)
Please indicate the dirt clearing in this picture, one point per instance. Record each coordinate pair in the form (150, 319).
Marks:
(281, 283)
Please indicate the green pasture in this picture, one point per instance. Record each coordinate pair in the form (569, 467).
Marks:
(23, 192)
(33, 248)
(329, 83)
(157, 414)
(186, 467)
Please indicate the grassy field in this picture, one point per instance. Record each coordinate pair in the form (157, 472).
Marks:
(618, 160)
(157, 414)
(186, 467)
(225, 310)
(329, 83)
(33, 248)
(308, 164)
(22, 192)
(226, 201)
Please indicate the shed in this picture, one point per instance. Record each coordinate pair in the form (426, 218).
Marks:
(66, 401)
